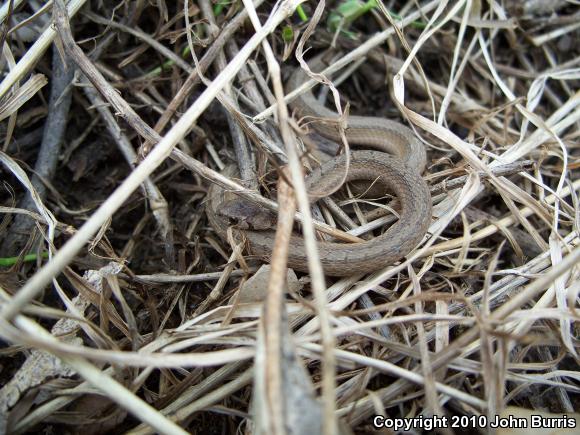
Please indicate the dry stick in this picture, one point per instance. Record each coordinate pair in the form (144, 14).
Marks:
(261, 81)
(433, 406)
(242, 150)
(246, 79)
(251, 130)
(52, 139)
(42, 277)
(498, 171)
(546, 356)
(164, 278)
(367, 303)
(244, 157)
(248, 82)
(339, 214)
(329, 426)
(39, 12)
(273, 312)
(493, 386)
(5, 24)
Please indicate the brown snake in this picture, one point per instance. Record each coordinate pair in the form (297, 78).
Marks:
(399, 174)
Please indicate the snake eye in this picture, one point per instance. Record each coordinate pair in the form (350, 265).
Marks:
(231, 220)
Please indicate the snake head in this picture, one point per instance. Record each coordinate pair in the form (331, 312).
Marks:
(246, 215)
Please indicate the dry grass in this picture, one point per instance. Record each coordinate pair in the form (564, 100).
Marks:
(133, 315)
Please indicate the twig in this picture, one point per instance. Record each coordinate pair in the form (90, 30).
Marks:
(522, 238)
(52, 139)
(272, 377)
(219, 393)
(498, 171)
(244, 158)
(329, 426)
(163, 278)
(5, 24)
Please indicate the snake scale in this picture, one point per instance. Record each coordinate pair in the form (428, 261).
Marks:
(395, 161)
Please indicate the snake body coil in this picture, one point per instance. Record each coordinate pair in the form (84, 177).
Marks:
(395, 163)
